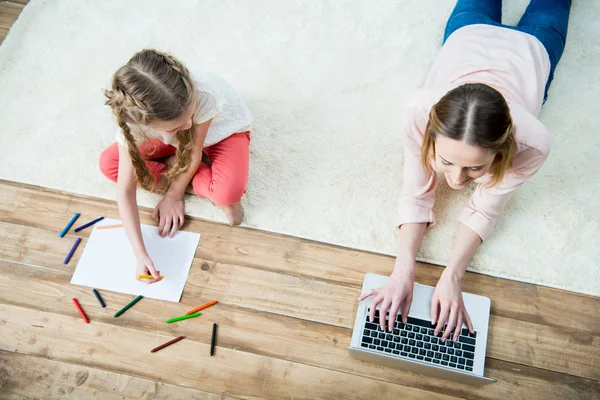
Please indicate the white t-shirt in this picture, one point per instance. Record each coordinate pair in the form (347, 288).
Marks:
(215, 99)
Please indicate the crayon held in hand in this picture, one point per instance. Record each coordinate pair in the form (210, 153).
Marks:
(149, 277)
(194, 315)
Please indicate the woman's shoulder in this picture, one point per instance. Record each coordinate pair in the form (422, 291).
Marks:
(530, 132)
(417, 107)
(424, 99)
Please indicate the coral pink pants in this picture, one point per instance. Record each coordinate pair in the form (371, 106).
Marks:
(223, 182)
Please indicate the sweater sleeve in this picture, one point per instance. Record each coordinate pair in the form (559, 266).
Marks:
(487, 203)
(418, 190)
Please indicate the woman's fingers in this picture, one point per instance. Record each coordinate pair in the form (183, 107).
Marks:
(468, 321)
(406, 308)
(443, 316)
(458, 327)
(435, 309)
(374, 303)
(155, 214)
(367, 294)
(385, 305)
(393, 313)
(451, 323)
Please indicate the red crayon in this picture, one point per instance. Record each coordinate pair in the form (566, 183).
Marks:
(85, 318)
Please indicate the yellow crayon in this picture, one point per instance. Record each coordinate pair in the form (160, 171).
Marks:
(148, 277)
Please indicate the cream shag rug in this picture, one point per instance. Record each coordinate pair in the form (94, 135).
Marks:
(326, 81)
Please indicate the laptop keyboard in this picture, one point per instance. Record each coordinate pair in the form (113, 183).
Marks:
(416, 340)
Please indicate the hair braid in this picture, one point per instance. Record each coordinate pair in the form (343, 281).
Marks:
(152, 86)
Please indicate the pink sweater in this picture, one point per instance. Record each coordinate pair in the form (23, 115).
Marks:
(517, 65)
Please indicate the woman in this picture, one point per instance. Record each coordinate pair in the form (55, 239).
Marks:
(474, 120)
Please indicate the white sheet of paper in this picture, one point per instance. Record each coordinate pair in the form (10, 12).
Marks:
(108, 262)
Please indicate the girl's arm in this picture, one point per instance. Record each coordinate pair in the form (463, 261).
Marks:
(169, 211)
(130, 217)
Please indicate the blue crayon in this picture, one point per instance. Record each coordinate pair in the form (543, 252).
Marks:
(64, 231)
(89, 224)
(68, 257)
(99, 298)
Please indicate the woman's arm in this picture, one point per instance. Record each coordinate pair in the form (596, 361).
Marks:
(169, 211)
(414, 215)
(477, 221)
(447, 305)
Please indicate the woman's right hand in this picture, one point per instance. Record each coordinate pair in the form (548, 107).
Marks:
(396, 294)
(145, 266)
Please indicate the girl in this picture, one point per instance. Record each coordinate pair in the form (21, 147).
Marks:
(174, 129)
(475, 120)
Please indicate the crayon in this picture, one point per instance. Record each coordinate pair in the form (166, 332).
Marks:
(89, 224)
(213, 340)
(99, 298)
(85, 318)
(202, 307)
(148, 277)
(194, 315)
(109, 226)
(66, 228)
(128, 306)
(170, 342)
(73, 248)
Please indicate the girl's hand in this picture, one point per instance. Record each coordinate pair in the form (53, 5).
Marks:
(145, 266)
(395, 294)
(169, 213)
(447, 306)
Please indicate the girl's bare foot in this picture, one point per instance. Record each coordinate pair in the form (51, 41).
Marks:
(234, 213)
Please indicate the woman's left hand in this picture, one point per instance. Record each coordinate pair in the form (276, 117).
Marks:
(447, 306)
(169, 213)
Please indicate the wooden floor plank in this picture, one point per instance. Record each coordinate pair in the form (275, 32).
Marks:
(28, 377)
(297, 257)
(188, 363)
(309, 299)
(262, 333)
(9, 12)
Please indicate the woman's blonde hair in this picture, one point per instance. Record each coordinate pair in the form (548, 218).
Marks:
(152, 86)
(479, 115)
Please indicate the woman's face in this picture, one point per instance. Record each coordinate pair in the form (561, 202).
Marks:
(461, 162)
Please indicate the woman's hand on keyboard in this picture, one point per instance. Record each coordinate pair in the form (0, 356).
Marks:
(395, 294)
(447, 307)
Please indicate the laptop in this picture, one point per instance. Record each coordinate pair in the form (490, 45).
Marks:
(413, 346)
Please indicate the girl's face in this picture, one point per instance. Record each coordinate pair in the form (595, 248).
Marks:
(461, 162)
(182, 123)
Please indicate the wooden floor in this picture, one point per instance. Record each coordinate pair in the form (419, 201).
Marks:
(285, 313)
